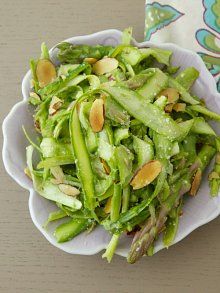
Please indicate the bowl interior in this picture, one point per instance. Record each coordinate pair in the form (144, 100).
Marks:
(196, 211)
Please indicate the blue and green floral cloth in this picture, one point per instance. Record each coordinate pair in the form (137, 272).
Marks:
(193, 24)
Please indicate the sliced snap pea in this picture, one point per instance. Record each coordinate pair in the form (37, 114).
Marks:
(187, 77)
(82, 161)
(184, 95)
(69, 230)
(203, 110)
(155, 84)
(149, 114)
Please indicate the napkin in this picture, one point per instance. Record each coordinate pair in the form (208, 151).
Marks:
(192, 24)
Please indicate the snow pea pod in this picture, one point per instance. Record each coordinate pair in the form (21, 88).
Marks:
(68, 230)
(203, 110)
(187, 77)
(150, 115)
(184, 95)
(82, 161)
(59, 84)
(155, 84)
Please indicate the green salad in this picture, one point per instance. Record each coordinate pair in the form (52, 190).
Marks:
(122, 141)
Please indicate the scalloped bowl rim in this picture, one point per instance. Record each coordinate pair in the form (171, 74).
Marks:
(9, 165)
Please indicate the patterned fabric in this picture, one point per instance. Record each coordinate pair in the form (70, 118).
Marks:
(193, 24)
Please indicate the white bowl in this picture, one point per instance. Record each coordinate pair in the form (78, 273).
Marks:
(197, 211)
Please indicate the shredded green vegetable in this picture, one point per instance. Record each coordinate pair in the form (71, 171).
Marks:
(121, 141)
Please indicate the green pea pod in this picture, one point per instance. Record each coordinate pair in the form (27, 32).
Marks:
(184, 95)
(161, 55)
(149, 114)
(115, 211)
(120, 134)
(69, 230)
(214, 187)
(203, 110)
(171, 229)
(56, 161)
(56, 215)
(156, 83)
(124, 161)
(82, 161)
(138, 80)
(50, 147)
(33, 65)
(161, 102)
(189, 146)
(200, 126)
(44, 52)
(144, 150)
(115, 112)
(187, 77)
(59, 84)
(116, 202)
(125, 198)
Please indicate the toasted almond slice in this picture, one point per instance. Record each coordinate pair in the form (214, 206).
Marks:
(180, 213)
(146, 174)
(55, 181)
(69, 190)
(37, 126)
(107, 208)
(27, 172)
(96, 115)
(169, 108)
(171, 93)
(55, 105)
(217, 158)
(213, 175)
(32, 83)
(105, 166)
(105, 65)
(34, 95)
(57, 172)
(90, 60)
(196, 182)
(179, 107)
(45, 71)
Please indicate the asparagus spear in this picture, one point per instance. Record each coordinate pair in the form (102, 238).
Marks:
(68, 230)
(214, 176)
(82, 161)
(148, 233)
(115, 211)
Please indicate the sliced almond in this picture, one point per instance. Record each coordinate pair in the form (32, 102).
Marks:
(46, 72)
(213, 175)
(146, 174)
(34, 95)
(169, 108)
(55, 105)
(32, 83)
(90, 60)
(69, 190)
(58, 174)
(179, 107)
(196, 183)
(107, 208)
(96, 115)
(105, 166)
(171, 94)
(37, 126)
(105, 65)
(27, 172)
(55, 181)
